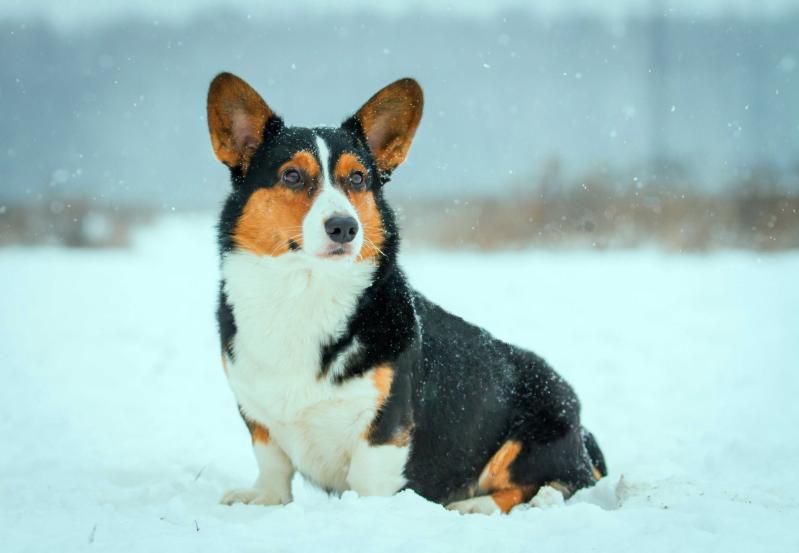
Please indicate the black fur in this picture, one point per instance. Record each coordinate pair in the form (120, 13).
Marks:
(458, 391)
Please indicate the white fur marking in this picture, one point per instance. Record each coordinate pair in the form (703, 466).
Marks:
(339, 364)
(483, 504)
(273, 486)
(324, 161)
(377, 470)
(286, 308)
(547, 497)
(330, 201)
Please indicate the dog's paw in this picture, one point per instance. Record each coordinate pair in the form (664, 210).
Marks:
(255, 496)
(483, 505)
(548, 496)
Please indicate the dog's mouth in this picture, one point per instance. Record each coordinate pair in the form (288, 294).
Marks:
(336, 251)
(332, 252)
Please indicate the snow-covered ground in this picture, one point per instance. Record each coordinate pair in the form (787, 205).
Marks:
(118, 431)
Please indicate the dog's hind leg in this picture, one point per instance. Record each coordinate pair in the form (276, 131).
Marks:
(522, 467)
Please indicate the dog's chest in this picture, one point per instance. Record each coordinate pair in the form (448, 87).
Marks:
(318, 425)
(284, 312)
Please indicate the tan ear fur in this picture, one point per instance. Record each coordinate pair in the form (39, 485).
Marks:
(389, 120)
(236, 119)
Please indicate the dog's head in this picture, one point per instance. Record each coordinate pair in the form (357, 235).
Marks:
(309, 191)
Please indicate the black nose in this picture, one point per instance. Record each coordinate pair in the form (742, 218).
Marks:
(341, 229)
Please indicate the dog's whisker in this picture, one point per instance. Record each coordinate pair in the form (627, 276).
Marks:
(372, 244)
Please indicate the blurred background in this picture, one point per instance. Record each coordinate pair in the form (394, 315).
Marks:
(619, 123)
(613, 184)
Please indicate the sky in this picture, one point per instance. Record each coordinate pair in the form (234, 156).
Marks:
(71, 13)
(101, 99)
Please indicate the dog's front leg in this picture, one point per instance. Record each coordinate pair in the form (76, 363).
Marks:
(273, 485)
(377, 469)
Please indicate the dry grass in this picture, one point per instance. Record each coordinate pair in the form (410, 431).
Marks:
(73, 224)
(597, 212)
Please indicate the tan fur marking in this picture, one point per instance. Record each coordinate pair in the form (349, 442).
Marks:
(509, 498)
(224, 364)
(382, 377)
(495, 475)
(259, 433)
(347, 164)
(306, 163)
(597, 474)
(273, 216)
(369, 215)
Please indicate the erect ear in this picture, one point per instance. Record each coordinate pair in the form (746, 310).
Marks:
(236, 119)
(389, 120)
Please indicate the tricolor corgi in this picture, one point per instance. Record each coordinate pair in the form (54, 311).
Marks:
(340, 369)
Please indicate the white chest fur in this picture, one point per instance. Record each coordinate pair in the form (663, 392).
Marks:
(285, 308)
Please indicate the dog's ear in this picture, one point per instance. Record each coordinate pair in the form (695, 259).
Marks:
(237, 116)
(389, 120)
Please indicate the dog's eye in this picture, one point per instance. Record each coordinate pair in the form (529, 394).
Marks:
(357, 180)
(292, 179)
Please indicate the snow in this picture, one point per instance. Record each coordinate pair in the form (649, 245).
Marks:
(119, 432)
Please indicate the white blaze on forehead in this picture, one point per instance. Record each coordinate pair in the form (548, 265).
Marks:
(324, 161)
(329, 202)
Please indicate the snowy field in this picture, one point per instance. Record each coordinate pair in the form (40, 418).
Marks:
(118, 431)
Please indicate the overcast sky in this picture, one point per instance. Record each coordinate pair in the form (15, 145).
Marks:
(72, 13)
(105, 103)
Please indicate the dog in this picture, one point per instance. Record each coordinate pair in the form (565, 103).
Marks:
(341, 370)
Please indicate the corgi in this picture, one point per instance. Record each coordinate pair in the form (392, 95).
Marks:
(341, 370)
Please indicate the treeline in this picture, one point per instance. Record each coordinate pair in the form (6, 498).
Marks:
(596, 212)
(601, 210)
